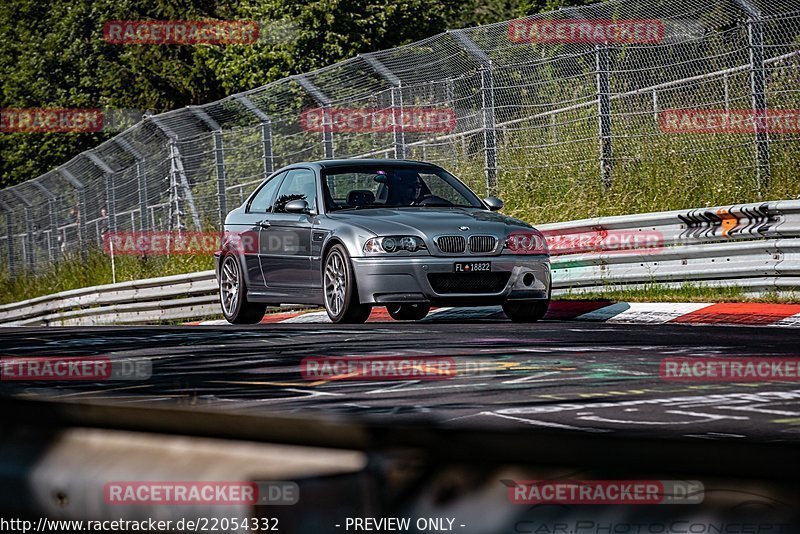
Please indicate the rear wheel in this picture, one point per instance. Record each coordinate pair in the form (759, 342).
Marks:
(341, 294)
(408, 312)
(233, 295)
(526, 311)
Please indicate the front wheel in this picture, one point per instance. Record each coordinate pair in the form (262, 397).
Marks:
(526, 312)
(408, 312)
(233, 295)
(341, 295)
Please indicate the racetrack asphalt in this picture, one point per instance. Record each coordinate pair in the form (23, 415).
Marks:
(581, 377)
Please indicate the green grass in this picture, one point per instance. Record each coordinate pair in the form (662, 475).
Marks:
(72, 273)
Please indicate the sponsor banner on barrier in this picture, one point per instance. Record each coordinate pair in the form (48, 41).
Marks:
(627, 492)
(74, 368)
(210, 493)
(734, 369)
(374, 120)
(67, 120)
(734, 121)
(598, 31)
(376, 368)
(186, 32)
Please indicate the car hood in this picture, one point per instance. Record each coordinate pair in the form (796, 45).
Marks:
(429, 221)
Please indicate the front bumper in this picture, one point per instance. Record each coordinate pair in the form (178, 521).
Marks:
(383, 280)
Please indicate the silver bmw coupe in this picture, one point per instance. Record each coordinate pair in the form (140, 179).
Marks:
(353, 234)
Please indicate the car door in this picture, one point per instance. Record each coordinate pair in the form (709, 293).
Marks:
(286, 241)
(257, 212)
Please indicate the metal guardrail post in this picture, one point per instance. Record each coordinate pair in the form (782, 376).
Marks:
(266, 133)
(603, 74)
(758, 97)
(12, 268)
(486, 73)
(80, 190)
(219, 162)
(111, 190)
(141, 179)
(398, 130)
(325, 102)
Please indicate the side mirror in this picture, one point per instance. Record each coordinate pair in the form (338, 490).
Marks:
(297, 206)
(493, 203)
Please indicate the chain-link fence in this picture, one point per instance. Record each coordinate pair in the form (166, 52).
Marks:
(543, 108)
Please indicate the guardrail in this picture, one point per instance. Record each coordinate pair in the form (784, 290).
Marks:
(753, 246)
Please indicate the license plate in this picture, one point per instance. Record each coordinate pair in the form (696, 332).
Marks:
(472, 267)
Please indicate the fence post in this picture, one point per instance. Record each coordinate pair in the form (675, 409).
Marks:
(266, 133)
(29, 259)
(178, 174)
(325, 102)
(758, 97)
(81, 213)
(398, 130)
(9, 239)
(219, 162)
(603, 73)
(486, 72)
(52, 215)
(111, 191)
(141, 180)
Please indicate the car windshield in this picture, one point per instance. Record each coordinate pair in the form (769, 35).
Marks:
(379, 187)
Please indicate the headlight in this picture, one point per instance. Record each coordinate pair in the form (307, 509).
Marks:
(526, 243)
(393, 243)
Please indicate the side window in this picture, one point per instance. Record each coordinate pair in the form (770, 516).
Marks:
(262, 202)
(300, 184)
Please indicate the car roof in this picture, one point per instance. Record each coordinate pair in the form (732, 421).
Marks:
(334, 163)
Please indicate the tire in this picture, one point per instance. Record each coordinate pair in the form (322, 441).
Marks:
(408, 312)
(339, 286)
(233, 294)
(526, 311)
